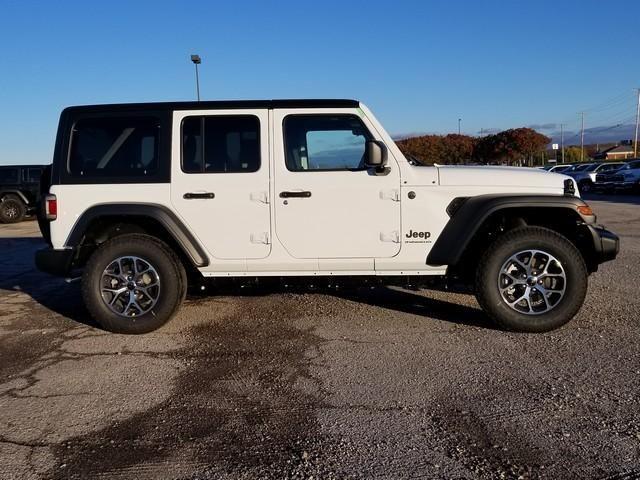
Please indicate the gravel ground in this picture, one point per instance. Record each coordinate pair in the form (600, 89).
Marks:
(360, 383)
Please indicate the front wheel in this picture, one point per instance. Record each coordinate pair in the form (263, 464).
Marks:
(531, 279)
(133, 284)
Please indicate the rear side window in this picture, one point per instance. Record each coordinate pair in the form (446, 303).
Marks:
(614, 166)
(324, 142)
(9, 175)
(114, 147)
(221, 144)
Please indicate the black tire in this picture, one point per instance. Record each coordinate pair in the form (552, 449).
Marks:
(12, 209)
(522, 239)
(170, 294)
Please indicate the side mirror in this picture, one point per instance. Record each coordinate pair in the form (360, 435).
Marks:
(375, 154)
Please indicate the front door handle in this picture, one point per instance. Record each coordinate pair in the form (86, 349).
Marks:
(295, 194)
(196, 195)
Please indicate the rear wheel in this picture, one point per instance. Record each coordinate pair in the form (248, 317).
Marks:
(133, 284)
(531, 279)
(12, 209)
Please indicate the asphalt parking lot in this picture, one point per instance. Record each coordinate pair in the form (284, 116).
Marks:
(362, 383)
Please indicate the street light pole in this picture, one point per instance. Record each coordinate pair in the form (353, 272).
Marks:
(197, 61)
(635, 143)
(562, 140)
(459, 120)
(582, 138)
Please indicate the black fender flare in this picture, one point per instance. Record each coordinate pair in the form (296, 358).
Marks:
(17, 193)
(468, 215)
(165, 217)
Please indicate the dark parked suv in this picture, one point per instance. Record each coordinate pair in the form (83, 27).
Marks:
(19, 191)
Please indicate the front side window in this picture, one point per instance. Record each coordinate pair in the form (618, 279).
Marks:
(114, 147)
(325, 142)
(9, 176)
(221, 144)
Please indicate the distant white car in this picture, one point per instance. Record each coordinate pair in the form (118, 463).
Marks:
(585, 175)
(562, 167)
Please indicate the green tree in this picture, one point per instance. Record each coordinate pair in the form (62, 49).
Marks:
(572, 155)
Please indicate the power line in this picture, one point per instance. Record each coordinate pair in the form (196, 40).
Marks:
(609, 104)
(626, 111)
(617, 100)
(593, 130)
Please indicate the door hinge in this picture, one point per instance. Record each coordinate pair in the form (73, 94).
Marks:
(260, 197)
(393, 237)
(262, 237)
(393, 195)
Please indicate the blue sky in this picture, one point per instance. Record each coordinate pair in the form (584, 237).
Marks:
(419, 65)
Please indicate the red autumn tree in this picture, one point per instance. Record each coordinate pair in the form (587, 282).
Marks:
(448, 149)
(514, 146)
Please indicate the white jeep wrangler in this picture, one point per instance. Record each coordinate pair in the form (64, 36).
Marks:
(143, 197)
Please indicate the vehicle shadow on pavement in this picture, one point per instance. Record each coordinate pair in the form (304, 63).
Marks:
(626, 199)
(18, 273)
(377, 296)
(415, 304)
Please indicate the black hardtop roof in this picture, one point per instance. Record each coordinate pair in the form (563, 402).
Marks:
(25, 165)
(220, 105)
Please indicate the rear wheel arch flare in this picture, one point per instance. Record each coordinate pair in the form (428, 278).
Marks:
(134, 218)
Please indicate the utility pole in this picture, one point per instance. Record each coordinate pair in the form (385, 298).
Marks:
(459, 120)
(197, 61)
(635, 143)
(582, 138)
(562, 140)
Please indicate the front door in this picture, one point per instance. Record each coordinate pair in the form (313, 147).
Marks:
(220, 180)
(327, 203)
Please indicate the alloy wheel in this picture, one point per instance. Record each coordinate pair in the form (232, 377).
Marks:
(532, 282)
(130, 286)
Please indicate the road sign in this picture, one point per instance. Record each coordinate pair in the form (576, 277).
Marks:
(554, 146)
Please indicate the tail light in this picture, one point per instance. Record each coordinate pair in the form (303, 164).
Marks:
(51, 207)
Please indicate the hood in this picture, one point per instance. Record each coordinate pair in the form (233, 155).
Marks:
(515, 177)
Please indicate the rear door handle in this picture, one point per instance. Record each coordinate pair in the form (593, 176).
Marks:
(196, 195)
(295, 194)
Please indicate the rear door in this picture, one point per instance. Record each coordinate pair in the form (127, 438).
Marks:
(220, 180)
(328, 205)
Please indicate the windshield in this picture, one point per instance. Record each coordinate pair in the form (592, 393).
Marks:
(592, 167)
(580, 168)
